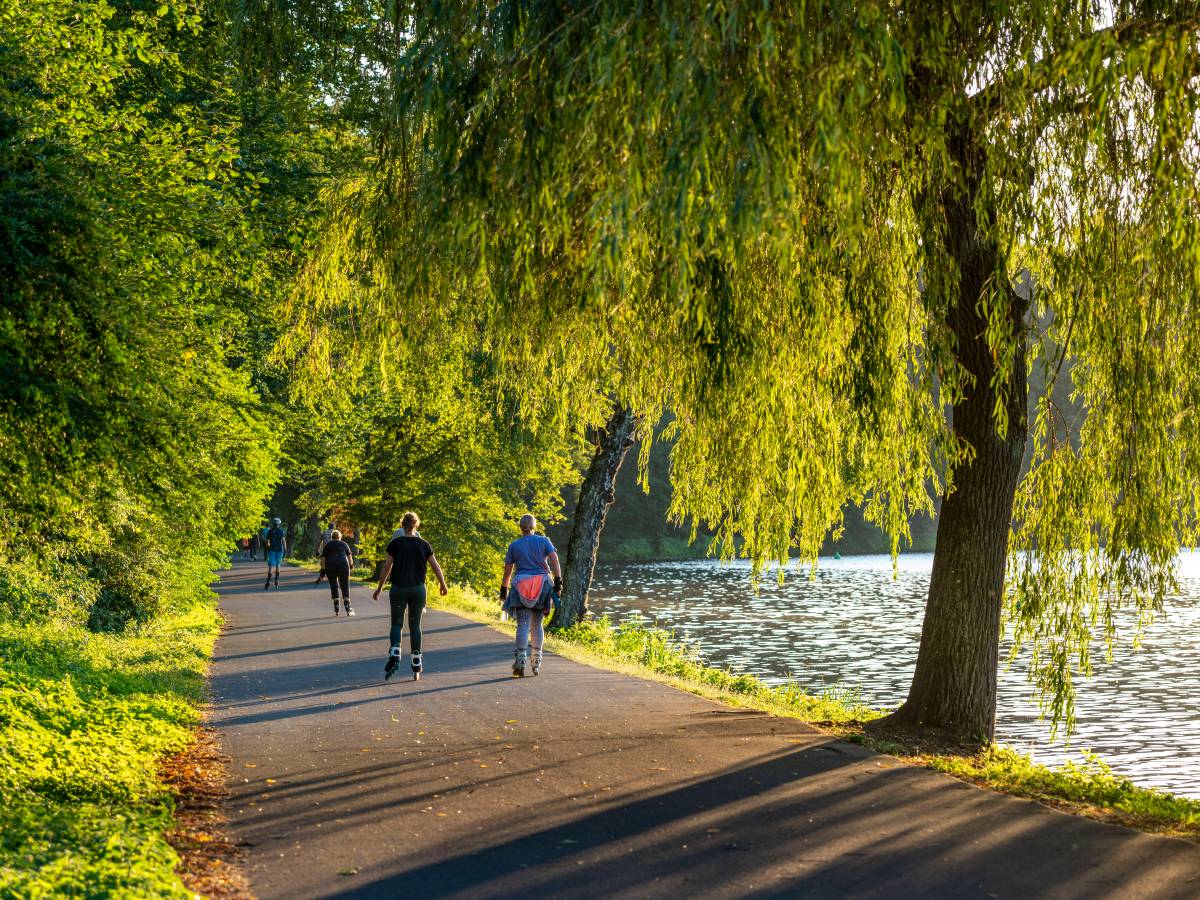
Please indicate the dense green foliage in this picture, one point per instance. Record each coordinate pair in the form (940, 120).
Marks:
(132, 446)
(427, 437)
(84, 720)
(638, 526)
(151, 208)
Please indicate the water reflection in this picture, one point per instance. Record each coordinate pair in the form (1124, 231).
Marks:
(854, 625)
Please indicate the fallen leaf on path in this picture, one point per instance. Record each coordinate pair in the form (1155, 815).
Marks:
(250, 765)
(270, 781)
(347, 871)
(510, 721)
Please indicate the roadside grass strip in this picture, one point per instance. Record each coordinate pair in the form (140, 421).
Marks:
(85, 720)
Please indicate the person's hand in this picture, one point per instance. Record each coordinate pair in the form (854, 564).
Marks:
(503, 592)
(557, 584)
(375, 596)
(443, 590)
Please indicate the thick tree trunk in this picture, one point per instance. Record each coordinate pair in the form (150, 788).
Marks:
(954, 685)
(596, 495)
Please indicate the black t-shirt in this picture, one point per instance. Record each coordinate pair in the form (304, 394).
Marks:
(409, 556)
(336, 553)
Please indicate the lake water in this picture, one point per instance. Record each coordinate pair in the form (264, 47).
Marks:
(855, 626)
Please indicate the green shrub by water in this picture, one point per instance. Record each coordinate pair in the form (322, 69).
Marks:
(85, 719)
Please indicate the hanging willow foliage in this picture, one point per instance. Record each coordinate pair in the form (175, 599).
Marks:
(790, 224)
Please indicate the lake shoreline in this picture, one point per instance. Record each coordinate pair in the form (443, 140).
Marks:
(854, 625)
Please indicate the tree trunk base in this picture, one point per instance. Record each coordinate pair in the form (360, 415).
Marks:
(916, 738)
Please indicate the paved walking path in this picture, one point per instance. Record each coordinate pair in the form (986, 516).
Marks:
(583, 783)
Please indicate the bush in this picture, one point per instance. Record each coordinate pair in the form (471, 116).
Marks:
(84, 720)
(31, 594)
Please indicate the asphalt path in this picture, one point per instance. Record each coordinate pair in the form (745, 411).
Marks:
(585, 783)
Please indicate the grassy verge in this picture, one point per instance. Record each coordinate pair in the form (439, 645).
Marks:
(85, 720)
(638, 648)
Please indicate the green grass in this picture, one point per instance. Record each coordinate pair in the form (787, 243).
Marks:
(85, 719)
(639, 648)
(1089, 787)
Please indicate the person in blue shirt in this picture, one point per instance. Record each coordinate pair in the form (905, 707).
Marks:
(276, 550)
(528, 565)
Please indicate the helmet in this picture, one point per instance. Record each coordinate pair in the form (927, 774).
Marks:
(276, 521)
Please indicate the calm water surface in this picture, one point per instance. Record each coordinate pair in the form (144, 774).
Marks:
(855, 626)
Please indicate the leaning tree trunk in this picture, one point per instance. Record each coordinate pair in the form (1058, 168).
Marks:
(596, 495)
(954, 686)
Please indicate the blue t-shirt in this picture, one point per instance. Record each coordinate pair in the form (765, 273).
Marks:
(529, 553)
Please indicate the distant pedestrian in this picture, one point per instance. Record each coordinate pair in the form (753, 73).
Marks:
(325, 538)
(336, 561)
(532, 558)
(276, 550)
(255, 545)
(244, 543)
(408, 556)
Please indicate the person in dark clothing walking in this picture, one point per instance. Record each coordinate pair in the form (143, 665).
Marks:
(408, 556)
(337, 561)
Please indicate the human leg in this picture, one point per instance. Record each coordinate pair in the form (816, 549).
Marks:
(524, 622)
(397, 603)
(342, 578)
(537, 636)
(416, 610)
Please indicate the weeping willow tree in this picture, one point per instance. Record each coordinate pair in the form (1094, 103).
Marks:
(801, 228)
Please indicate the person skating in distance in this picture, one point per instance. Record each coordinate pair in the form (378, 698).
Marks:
(276, 548)
(408, 556)
(337, 561)
(532, 558)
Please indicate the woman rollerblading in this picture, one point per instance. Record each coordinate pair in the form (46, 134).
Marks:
(408, 558)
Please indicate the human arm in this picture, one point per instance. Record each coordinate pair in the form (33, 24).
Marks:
(437, 570)
(556, 569)
(383, 576)
(508, 570)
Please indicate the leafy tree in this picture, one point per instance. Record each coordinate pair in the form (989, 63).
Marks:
(803, 228)
(133, 447)
(419, 431)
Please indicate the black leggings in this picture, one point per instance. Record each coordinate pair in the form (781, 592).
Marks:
(411, 599)
(338, 576)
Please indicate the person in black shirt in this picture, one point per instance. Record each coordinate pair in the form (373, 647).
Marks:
(337, 560)
(408, 556)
